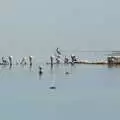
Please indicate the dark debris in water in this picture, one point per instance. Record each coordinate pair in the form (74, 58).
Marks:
(53, 87)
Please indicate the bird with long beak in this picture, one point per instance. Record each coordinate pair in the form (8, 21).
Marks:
(58, 51)
(30, 60)
(10, 60)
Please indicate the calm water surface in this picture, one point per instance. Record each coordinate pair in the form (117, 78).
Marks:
(87, 93)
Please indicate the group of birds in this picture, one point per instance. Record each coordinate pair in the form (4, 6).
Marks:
(9, 61)
(58, 57)
(29, 61)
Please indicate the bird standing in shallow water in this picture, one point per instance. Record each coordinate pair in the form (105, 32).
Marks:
(40, 70)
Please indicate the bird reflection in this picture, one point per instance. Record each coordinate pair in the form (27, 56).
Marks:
(10, 67)
(51, 68)
(30, 68)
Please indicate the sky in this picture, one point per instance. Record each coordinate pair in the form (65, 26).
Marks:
(37, 27)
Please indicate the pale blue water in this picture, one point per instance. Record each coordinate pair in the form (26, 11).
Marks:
(88, 93)
(38, 27)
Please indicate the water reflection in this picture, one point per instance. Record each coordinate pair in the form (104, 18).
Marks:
(113, 65)
(10, 67)
(53, 78)
(51, 67)
(4, 66)
(30, 68)
(40, 76)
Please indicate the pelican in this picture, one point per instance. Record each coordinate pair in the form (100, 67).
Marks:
(66, 60)
(10, 60)
(23, 62)
(4, 61)
(58, 51)
(30, 60)
(57, 60)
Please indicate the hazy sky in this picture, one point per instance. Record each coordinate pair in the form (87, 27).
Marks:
(34, 26)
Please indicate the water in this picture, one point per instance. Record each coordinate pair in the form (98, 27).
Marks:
(37, 28)
(88, 92)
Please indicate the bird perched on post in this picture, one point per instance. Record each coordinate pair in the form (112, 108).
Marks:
(58, 51)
